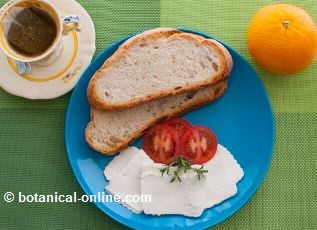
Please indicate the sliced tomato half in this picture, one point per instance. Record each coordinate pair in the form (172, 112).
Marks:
(198, 145)
(161, 144)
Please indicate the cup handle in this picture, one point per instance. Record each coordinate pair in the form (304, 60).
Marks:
(70, 23)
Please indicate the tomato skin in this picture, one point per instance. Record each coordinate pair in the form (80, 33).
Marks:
(161, 144)
(179, 124)
(166, 141)
(198, 145)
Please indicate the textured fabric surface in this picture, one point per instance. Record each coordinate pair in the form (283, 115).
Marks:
(33, 157)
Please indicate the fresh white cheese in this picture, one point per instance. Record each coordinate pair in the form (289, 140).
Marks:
(120, 162)
(220, 183)
(123, 174)
(192, 196)
(167, 197)
(133, 172)
(225, 160)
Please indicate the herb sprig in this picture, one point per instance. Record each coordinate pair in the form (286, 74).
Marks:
(182, 167)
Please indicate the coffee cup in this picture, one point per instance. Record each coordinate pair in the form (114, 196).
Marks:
(31, 32)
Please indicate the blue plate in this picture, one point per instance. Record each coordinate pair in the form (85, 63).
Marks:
(242, 120)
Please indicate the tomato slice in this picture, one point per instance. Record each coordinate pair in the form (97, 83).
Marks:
(179, 124)
(198, 145)
(161, 144)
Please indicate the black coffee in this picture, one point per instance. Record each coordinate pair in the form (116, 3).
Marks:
(32, 32)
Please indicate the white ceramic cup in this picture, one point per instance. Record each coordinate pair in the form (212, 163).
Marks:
(63, 25)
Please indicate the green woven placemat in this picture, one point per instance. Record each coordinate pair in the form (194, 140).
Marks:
(33, 157)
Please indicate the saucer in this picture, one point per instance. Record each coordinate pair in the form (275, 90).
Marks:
(55, 77)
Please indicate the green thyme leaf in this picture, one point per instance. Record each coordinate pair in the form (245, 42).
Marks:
(162, 170)
(183, 166)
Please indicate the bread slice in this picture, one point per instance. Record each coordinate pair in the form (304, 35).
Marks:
(110, 131)
(155, 64)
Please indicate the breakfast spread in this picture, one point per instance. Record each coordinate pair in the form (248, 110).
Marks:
(141, 91)
(160, 74)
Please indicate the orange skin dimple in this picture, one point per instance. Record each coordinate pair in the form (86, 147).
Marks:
(282, 38)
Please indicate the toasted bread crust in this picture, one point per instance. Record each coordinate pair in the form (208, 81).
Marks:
(228, 58)
(100, 104)
(219, 91)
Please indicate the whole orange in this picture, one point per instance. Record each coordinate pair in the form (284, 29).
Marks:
(282, 38)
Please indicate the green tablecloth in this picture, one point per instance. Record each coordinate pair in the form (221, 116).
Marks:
(33, 157)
